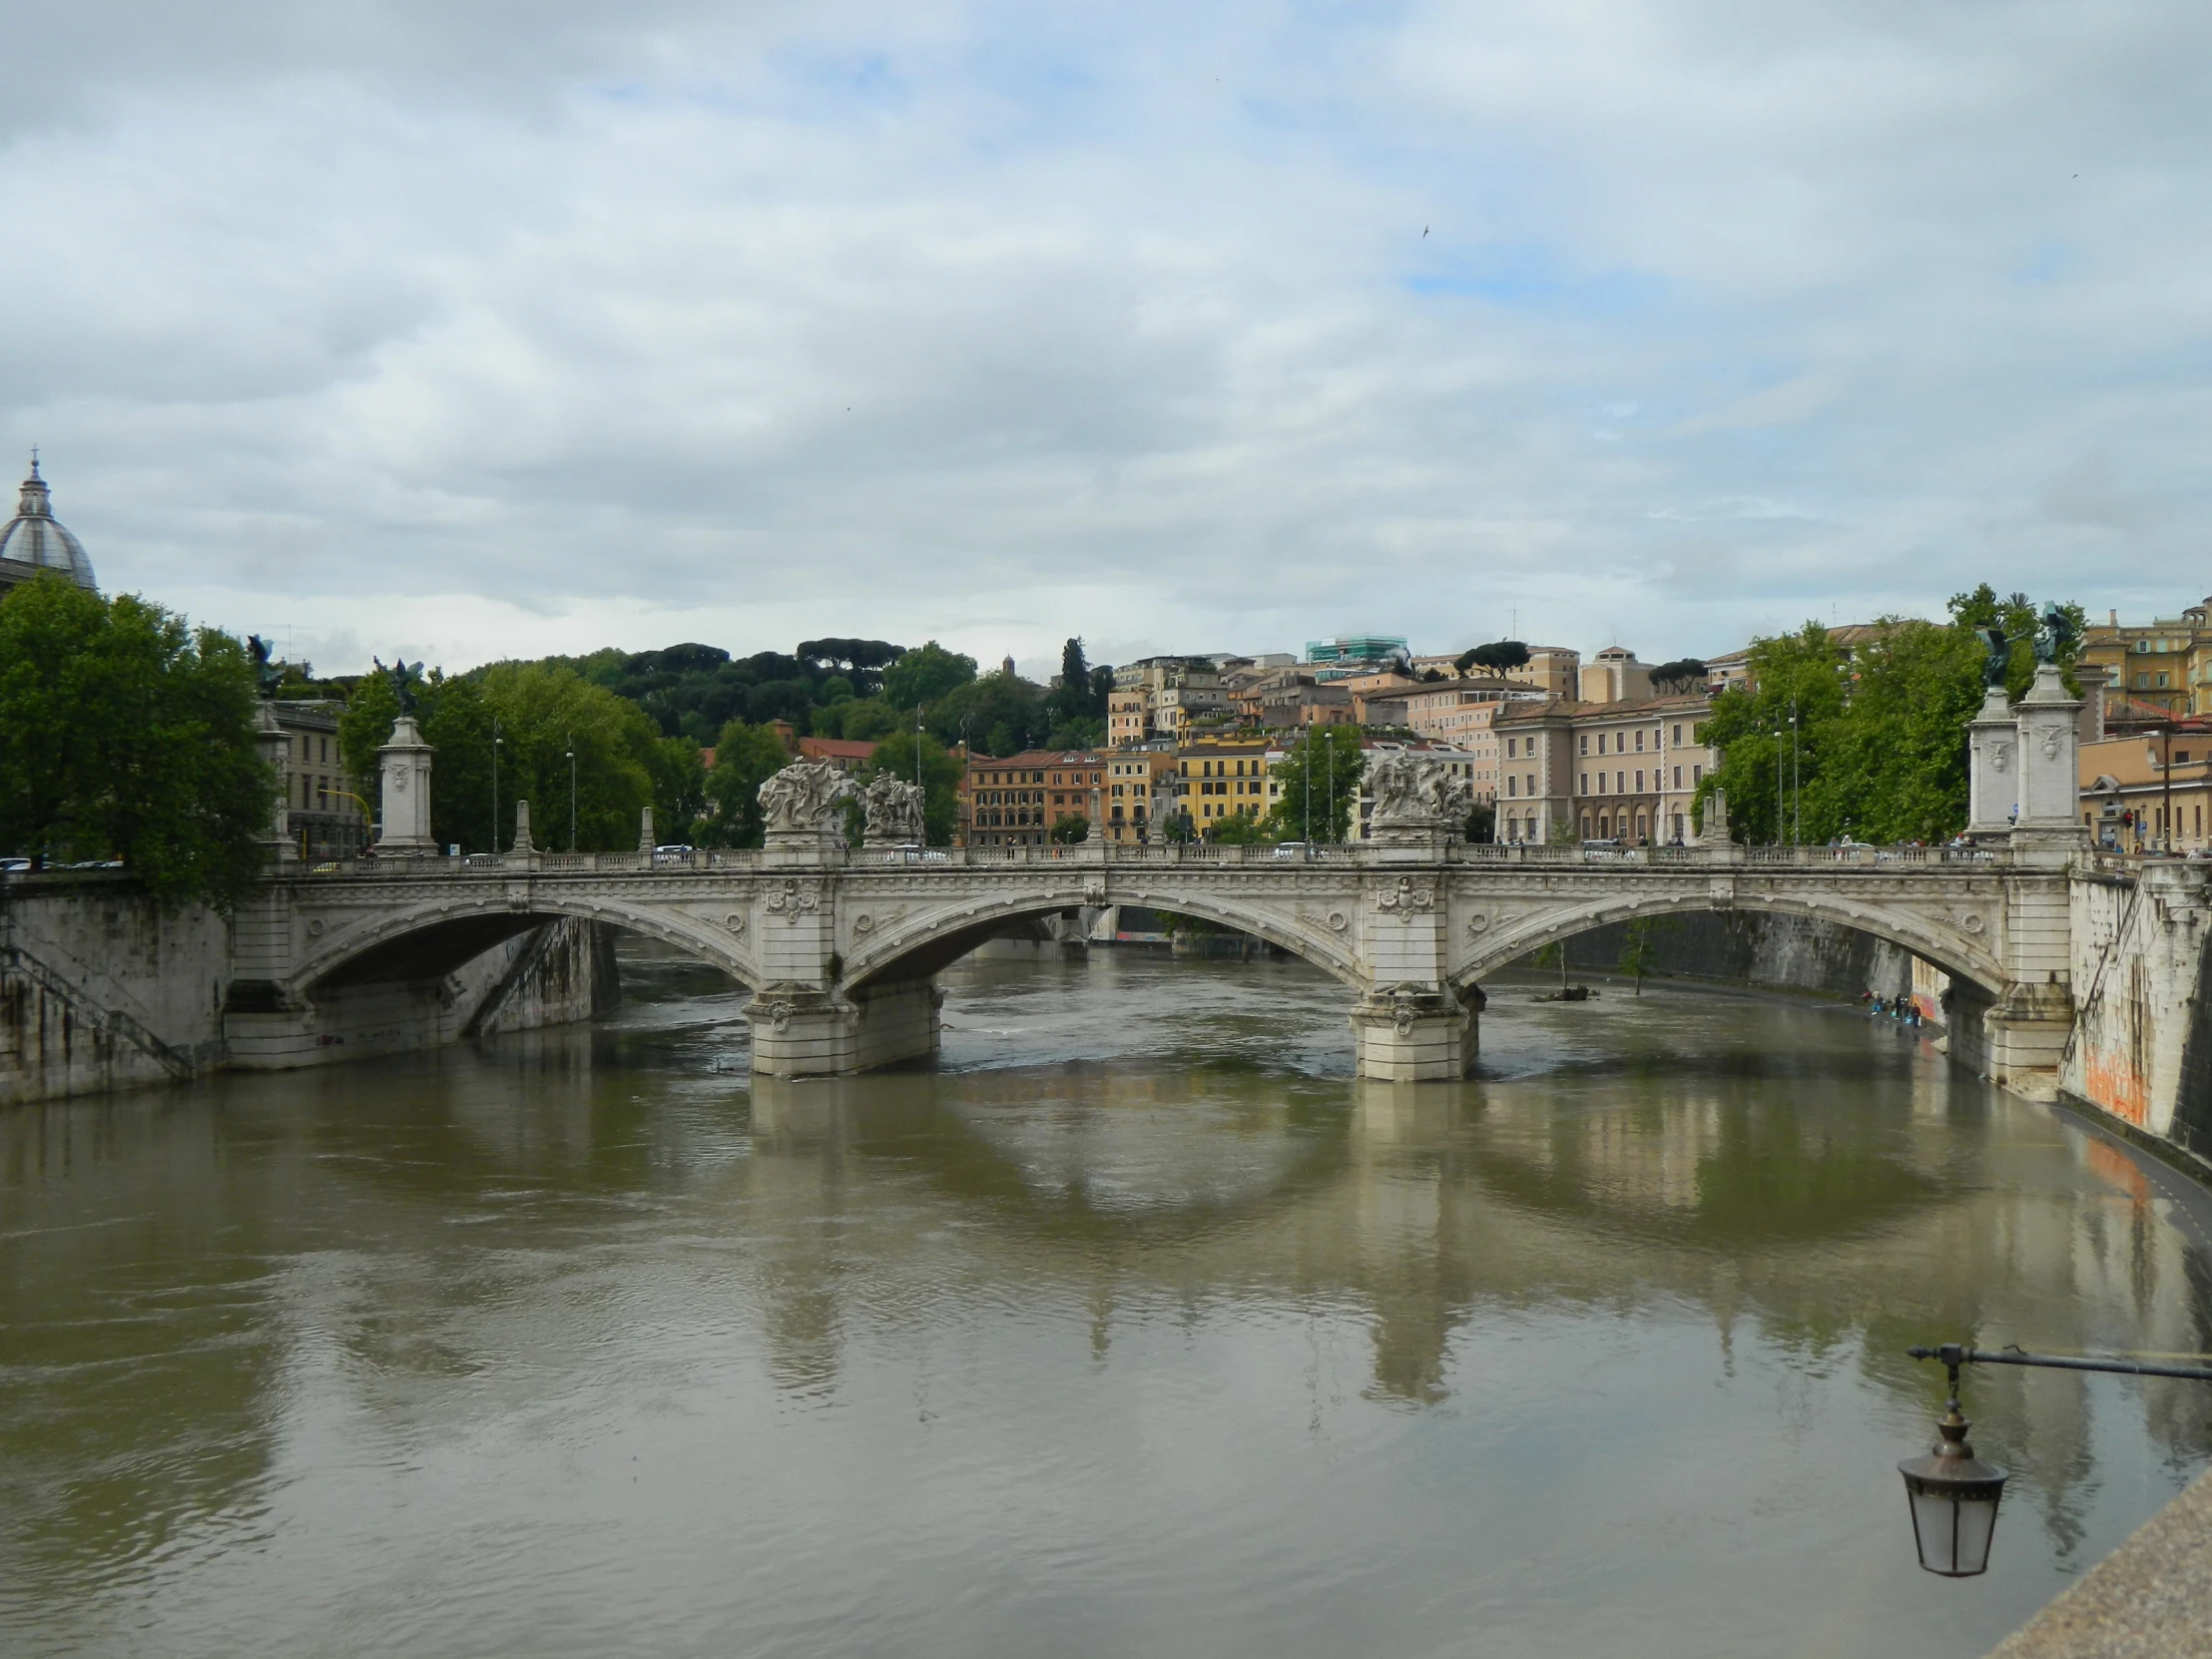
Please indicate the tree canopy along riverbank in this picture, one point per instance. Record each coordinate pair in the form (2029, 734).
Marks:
(1866, 742)
(128, 734)
(692, 733)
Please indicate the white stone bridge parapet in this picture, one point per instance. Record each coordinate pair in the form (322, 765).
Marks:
(840, 946)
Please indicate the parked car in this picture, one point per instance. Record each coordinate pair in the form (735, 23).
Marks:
(11, 867)
(1290, 849)
(673, 855)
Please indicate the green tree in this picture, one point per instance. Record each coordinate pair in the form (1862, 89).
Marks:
(1070, 828)
(746, 757)
(540, 713)
(372, 707)
(1239, 829)
(1895, 766)
(1773, 736)
(125, 733)
(1071, 698)
(1003, 713)
(1497, 657)
(1640, 946)
(926, 674)
(1321, 785)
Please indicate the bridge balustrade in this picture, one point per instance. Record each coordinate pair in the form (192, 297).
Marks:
(1097, 854)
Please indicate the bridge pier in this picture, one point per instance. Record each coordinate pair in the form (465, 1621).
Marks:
(813, 1031)
(1416, 1033)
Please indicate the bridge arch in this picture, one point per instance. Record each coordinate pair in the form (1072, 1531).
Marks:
(423, 943)
(1953, 945)
(934, 939)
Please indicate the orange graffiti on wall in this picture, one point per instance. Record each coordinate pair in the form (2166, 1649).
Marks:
(2111, 1081)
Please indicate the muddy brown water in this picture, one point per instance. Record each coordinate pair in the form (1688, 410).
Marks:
(1136, 1325)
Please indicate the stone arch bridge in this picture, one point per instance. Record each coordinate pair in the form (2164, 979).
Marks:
(840, 947)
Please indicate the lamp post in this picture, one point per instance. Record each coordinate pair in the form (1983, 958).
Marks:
(572, 792)
(1952, 1493)
(496, 741)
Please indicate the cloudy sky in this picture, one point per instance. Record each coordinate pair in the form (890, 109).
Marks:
(484, 328)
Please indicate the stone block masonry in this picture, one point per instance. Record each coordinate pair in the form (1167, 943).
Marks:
(2141, 1049)
(101, 989)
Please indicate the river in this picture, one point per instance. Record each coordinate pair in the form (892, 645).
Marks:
(1136, 1325)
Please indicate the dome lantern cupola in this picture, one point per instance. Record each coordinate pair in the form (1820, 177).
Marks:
(34, 539)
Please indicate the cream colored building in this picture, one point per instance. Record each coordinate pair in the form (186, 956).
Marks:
(1601, 770)
(1614, 676)
(1162, 697)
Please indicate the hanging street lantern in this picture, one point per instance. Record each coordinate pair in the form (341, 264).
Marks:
(1953, 1495)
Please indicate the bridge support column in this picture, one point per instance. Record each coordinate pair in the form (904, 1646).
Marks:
(1416, 1033)
(2016, 1041)
(809, 1032)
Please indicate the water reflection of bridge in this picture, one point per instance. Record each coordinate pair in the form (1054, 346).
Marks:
(1775, 1193)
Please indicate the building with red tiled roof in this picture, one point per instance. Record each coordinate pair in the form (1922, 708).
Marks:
(845, 756)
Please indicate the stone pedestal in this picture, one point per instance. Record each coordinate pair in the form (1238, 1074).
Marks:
(523, 850)
(2016, 1041)
(274, 744)
(1414, 1034)
(404, 765)
(645, 843)
(804, 849)
(1992, 766)
(809, 1032)
(2050, 769)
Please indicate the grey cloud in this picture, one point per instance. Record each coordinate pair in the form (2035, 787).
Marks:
(1000, 324)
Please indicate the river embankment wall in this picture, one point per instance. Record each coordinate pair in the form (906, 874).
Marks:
(102, 988)
(1754, 947)
(2140, 1052)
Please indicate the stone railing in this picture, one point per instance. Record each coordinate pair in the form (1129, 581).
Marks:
(1100, 854)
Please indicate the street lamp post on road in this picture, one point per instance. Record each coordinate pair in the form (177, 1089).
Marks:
(496, 741)
(572, 792)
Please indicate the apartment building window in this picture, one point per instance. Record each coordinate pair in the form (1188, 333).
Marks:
(1585, 743)
(1697, 774)
(2162, 681)
(1531, 784)
(1678, 778)
(1620, 783)
(1512, 750)
(1639, 779)
(1585, 789)
(1678, 734)
(1639, 741)
(1513, 786)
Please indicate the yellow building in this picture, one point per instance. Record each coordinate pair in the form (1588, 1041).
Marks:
(1133, 781)
(1217, 777)
(2166, 661)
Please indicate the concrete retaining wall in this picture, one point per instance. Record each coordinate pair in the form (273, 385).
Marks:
(100, 989)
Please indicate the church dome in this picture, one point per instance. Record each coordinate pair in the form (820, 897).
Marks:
(34, 539)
